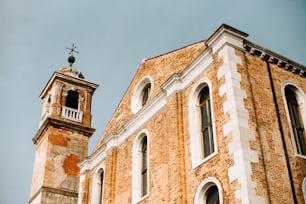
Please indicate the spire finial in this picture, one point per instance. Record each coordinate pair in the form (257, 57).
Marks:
(71, 58)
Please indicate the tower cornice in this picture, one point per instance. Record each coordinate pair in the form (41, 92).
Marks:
(62, 124)
(57, 75)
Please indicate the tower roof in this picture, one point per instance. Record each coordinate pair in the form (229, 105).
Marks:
(72, 72)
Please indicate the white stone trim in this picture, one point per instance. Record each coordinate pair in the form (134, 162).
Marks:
(226, 35)
(204, 186)
(195, 126)
(96, 185)
(238, 127)
(301, 99)
(136, 170)
(80, 192)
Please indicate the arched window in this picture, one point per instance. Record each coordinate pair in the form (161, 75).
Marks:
(206, 122)
(202, 140)
(141, 94)
(140, 166)
(72, 99)
(209, 192)
(98, 187)
(296, 119)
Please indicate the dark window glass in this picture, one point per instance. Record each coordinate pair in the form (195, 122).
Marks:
(206, 122)
(145, 94)
(72, 99)
(144, 168)
(212, 196)
(101, 182)
(296, 121)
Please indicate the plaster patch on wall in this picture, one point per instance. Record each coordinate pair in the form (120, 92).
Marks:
(238, 127)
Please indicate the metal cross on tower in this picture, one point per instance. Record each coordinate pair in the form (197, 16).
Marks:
(71, 58)
(72, 49)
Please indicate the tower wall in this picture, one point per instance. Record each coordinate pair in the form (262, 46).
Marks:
(62, 138)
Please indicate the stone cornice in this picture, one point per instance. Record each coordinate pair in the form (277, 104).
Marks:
(225, 35)
(66, 78)
(275, 58)
(62, 124)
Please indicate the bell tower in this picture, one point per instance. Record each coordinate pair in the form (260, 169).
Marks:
(62, 137)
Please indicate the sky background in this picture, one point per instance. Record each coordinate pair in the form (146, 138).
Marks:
(112, 38)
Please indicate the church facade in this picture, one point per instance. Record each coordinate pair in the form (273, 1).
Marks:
(218, 121)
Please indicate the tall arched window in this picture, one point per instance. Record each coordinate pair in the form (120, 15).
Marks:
(101, 186)
(98, 187)
(296, 120)
(140, 166)
(72, 99)
(202, 139)
(206, 122)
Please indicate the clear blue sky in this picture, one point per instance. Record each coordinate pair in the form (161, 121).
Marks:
(112, 37)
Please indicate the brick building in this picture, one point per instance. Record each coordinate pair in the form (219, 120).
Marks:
(217, 121)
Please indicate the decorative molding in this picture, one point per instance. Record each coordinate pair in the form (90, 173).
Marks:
(52, 122)
(66, 78)
(274, 58)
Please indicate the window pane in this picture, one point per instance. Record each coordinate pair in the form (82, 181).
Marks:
(204, 116)
(101, 187)
(212, 196)
(144, 184)
(144, 168)
(207, 150)
(207, 134)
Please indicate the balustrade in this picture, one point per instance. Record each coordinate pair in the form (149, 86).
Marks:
(72, 114)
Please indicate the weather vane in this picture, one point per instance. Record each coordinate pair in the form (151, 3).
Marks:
(71, 58)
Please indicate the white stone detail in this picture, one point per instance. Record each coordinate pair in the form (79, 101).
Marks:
(82, 179)
(204, 186)
(72, 114)
(238, 127)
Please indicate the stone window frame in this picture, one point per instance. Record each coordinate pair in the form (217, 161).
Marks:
(97, 192)
(301, 99)
(202, 190)
(197, 156)
(137, 167)
(137, 97)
